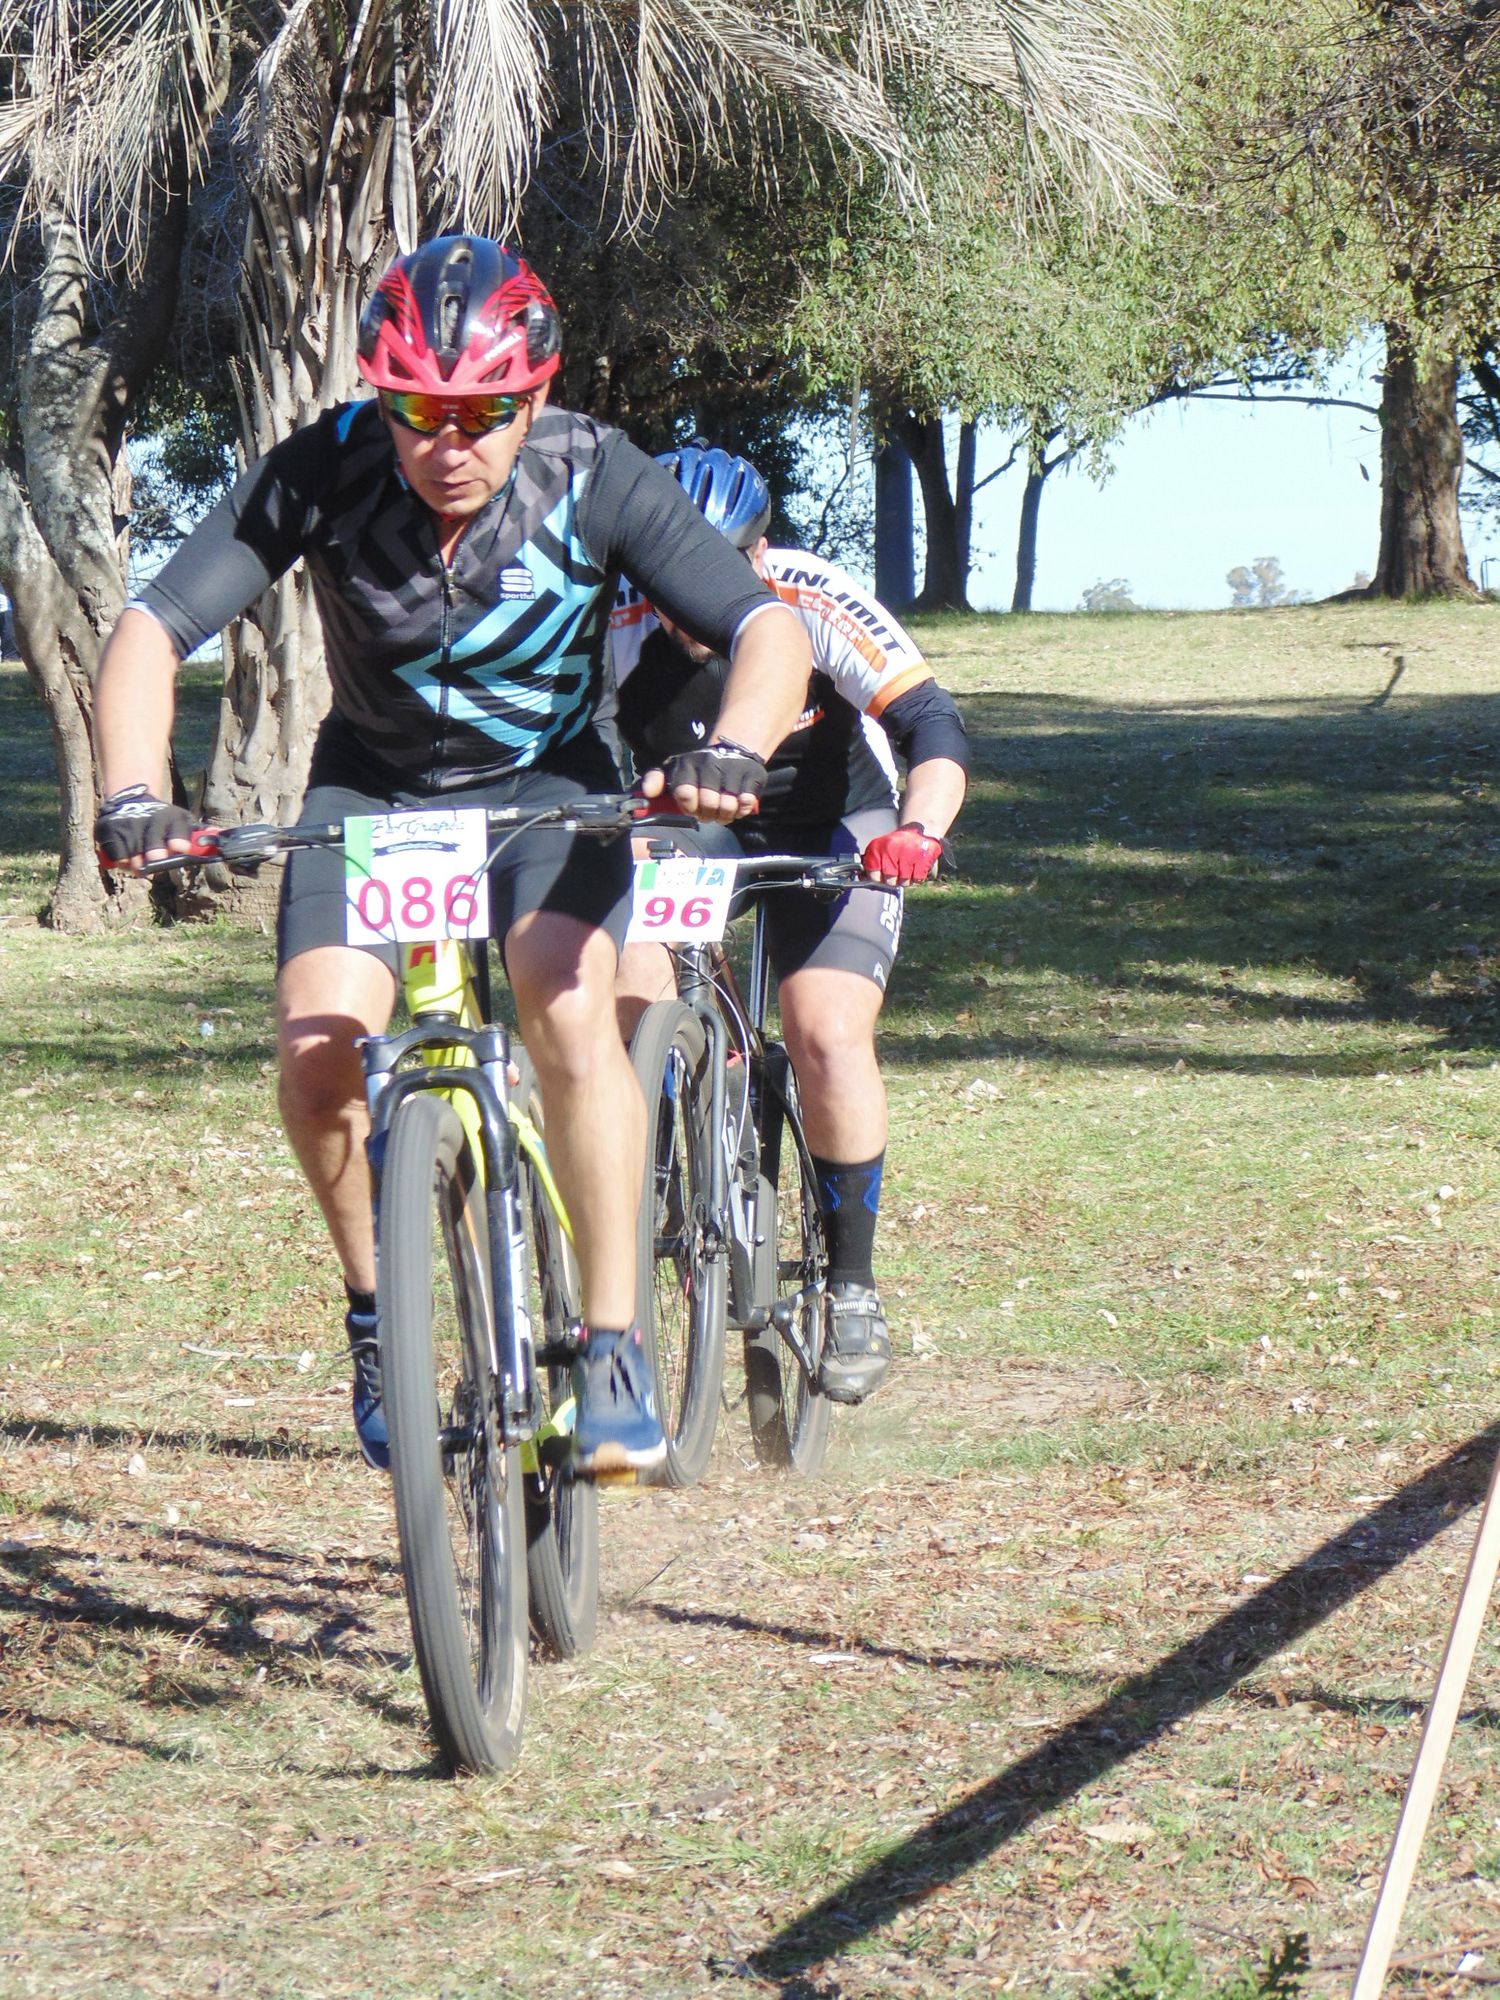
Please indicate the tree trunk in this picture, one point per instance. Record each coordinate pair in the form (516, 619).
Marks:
(1037, 469)
(59, 649)
(943, 582)
(62, 550)
(1421, 461)
(312, 251)
(963, 497)
(895, 556)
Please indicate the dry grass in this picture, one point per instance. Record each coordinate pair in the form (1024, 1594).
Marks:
(1123, 1601)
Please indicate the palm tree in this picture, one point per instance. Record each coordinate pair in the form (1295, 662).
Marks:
(335, 130)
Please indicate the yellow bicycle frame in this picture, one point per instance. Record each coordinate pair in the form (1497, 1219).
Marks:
(437, 978)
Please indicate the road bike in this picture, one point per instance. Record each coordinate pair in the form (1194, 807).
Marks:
(731, 1233)
(477, 1298)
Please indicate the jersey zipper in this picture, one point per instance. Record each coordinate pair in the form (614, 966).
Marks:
(445, 643)
(445, 637)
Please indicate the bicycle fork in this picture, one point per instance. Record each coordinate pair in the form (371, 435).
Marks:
(483, 1082)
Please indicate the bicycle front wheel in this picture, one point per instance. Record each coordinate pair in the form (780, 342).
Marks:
(457, 1488)
(788, 1418)
(680, 1283)
(562, 1514)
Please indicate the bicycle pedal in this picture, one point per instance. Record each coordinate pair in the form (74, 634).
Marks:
(624, 1479)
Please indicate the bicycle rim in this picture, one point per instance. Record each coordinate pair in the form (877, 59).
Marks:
(789, 1420)
(680, 1286)
(562, 1514)
(457, 1490)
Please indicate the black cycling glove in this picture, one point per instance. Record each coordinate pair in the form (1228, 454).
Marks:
(717, 767)
(134, 822)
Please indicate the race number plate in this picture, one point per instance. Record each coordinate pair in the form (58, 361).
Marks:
(413, 875)
(681, 901)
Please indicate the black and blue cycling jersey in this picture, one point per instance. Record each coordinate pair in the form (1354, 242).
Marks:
(448, 673)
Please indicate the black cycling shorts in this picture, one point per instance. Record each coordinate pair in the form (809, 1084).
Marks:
(857, 932)
(576, 875)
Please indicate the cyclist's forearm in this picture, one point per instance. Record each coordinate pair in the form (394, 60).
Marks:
(133, 705)
(934, 792)
(770, 667)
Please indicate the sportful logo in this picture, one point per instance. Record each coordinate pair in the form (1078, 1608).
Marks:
(531, 691)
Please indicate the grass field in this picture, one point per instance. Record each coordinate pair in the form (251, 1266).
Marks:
(1120, 1606)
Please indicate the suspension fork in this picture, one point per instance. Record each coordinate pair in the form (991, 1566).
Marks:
(469, 1066)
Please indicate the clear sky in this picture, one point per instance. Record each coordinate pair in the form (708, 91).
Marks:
(1197, 489)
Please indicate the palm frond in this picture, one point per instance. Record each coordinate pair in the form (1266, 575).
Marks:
(487, 105)
(272, 118)
(675, 82)
(110, 98)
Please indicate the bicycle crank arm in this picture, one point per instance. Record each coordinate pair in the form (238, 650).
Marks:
(784, 1316)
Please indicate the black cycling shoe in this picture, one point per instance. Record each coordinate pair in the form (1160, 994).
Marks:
(369, 1415)
(856, 1345)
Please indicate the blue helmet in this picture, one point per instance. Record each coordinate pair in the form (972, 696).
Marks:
(728, 492)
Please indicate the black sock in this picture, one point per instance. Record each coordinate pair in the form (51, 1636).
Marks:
(849, 1196)
(361, 1304)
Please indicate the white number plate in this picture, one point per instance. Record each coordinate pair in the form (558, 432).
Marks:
(681, 901)
(413, 875)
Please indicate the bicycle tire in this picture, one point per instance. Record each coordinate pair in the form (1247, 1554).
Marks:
(789, 1419)
(562, 1514)
(457, 1488)
(680, 1288)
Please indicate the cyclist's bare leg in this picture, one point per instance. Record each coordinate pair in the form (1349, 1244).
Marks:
(562, 973)
(325, 999)
(645, 975)
(828, 1021)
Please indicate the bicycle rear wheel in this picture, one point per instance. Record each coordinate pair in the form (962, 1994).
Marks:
(457, 1489)
(788, 1418)
(562, 1514)
(680, 1286)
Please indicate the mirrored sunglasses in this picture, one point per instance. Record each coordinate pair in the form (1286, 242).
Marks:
(476, 416)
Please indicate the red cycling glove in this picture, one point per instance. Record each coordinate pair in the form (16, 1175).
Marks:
(908, 852)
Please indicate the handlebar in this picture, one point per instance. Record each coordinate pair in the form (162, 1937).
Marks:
(830, 873)
(246, 848)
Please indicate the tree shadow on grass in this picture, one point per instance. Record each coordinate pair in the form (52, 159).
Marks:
(1153, 850)
(1137, 1714)
(137, 1437)
(868, 1649)
(61, 1588)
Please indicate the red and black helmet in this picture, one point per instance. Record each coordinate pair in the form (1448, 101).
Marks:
(461, 316)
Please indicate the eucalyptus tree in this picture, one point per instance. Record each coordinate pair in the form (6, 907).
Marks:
(350, 128)
(1378, 127)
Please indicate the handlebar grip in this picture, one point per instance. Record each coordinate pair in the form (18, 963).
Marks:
(203, 845)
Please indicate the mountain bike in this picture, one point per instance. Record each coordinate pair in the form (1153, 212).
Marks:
(477, 1288)
(731, 1230)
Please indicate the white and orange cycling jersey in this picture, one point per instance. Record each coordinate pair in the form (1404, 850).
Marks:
(864, 663)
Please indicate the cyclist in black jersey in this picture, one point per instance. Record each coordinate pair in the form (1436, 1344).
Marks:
(831, 788)
(464, 543)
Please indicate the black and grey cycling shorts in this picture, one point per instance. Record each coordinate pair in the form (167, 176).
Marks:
(544, 869)
(857, 932)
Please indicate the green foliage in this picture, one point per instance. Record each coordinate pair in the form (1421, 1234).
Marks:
(1113, 595)
(1165, 1967)
(1260, 584)
(185, 461)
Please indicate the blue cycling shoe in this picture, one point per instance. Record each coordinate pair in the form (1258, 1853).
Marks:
(617, 1434)
(369, 1416)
